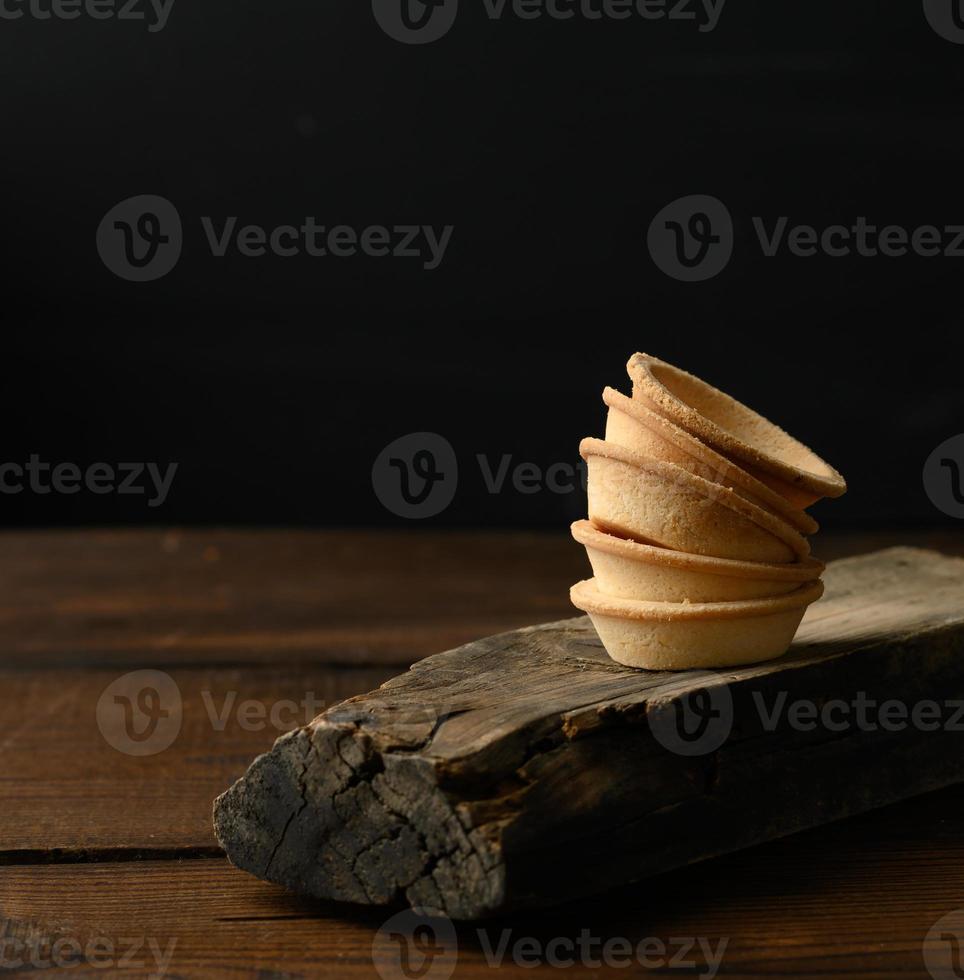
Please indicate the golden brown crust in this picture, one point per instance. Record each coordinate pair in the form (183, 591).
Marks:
(587, 597)
(805, 570)
(705, 454)
(761, 444)
(680, 477)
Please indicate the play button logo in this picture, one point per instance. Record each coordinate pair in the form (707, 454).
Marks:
(946, 17)
(415, 21)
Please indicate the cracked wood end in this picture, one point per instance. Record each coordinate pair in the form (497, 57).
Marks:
(525, 769)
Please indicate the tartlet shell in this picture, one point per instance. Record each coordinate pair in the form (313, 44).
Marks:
(662, 503)
(734, 430)
(687, 636)
(631, 424)
(631, 570)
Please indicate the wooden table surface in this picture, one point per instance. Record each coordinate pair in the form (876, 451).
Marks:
(108, 859)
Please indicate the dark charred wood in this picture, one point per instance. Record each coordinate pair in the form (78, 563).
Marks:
(525, 769)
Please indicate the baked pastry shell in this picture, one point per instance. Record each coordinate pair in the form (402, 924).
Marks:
(688, 636)
(630, 570)
(631, 424)
(648, 500)
(735, 431)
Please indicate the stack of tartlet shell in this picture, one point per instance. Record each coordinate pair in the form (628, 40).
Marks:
(697, 533)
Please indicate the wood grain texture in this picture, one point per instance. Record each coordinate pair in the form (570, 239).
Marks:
(230, 608)
(69, 785)
(850, 900)
(523, 770)
(234, 597)
(154, 598)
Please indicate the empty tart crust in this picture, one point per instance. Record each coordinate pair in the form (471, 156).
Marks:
(629, 570)
(662, 503)
(631, 424)
(685, 636)
(730, 427)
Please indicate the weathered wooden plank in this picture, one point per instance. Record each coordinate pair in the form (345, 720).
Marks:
(65, 788)
(854, 899)
(528, 768)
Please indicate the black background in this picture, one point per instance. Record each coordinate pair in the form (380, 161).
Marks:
(549, 145)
